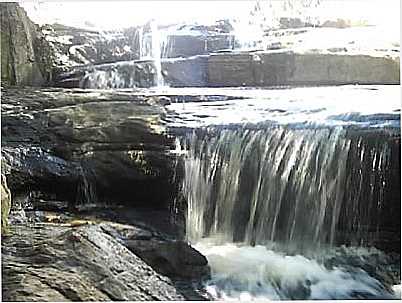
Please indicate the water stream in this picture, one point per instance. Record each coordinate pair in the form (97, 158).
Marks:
(151, 49)
(273, 206)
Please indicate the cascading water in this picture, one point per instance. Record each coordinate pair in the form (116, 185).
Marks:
(258, 198)
(145, 72)
(150, 49)
(86, 189)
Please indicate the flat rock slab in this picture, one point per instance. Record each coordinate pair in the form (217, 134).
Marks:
(58, 263)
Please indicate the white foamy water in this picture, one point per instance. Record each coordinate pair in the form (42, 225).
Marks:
(257, 273)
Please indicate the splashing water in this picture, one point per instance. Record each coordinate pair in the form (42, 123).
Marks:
(258, 198)
(247, 273)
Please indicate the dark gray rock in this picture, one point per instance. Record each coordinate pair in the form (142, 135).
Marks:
(173, 258)
(186, 72)
(193, 45)
(57, 263)
(26, 58)
(87, 147)
(232, 69)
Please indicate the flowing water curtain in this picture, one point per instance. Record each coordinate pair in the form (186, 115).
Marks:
(153, 43)
(369, 187)
(285, 185)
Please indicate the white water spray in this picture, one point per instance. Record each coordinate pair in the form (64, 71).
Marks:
(258, 198)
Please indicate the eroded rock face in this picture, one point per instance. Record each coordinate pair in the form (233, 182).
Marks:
(76, 264)
(25, 55)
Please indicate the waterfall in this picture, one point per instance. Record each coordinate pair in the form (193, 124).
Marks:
(150, 48)
(270, 207)
(289, 186)
(86, 189)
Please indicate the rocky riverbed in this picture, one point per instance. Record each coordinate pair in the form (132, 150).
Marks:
(113, 189)
(82, 167)
(70, 167)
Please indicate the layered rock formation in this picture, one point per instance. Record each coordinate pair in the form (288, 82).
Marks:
(231, 69)
(55, 140)
(289, 68)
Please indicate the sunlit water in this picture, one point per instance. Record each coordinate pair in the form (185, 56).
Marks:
(358, 105)
(278, 182)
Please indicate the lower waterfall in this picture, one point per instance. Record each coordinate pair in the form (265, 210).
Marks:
(271, 208)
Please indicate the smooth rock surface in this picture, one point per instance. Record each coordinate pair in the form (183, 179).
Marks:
(57, 263)
(288, 68)
(173, 258)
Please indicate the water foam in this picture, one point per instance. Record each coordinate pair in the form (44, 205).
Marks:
(256, 273)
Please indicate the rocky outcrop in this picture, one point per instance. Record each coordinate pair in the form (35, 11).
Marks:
(34, 56)
(76, 264)
(87, 147)
(77, 46)
(232, 69)
(26, 58)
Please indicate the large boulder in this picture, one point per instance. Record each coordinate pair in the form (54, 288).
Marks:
(79, 263)
(171, 257)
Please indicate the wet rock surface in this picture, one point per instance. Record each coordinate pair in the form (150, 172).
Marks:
(71, 143)
(242, 69)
